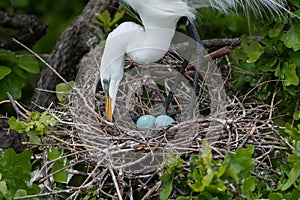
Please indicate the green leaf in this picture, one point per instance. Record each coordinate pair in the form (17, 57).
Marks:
(293, 175)
(33, 138)
(290, 75)
(17, 125)
(241, 163)
(3, 187)
(249, 186)
(8, 58)
(295, 194)
(296, 151)
(252, 48)
(292, 131)
(269, 65)
(54, 153)
(275, 196)
(12, 84)
(15, 170)
(63, 91)
(104, 17)
(47, 120)
(13, 161)
(21, 193)
(62, 176)
(295, 57)
(117, 17)
(166, 188)
(182, 198)
(4, 71)
(255, 55)
(296, 115)
(104, 20)
(29, 64)
(206, 153)
(292, 38)
(276, 31)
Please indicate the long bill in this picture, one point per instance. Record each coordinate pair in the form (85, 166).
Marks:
(108, 107)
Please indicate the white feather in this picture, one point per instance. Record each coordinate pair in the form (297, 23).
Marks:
(149, 43)
(256, 6)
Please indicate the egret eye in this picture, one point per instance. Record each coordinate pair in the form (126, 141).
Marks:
(105, 86)
(105, 81)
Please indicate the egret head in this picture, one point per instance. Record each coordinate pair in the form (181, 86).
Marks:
(110, 80)
(111, 74)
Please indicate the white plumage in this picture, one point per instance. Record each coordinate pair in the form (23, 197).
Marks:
(148, 43)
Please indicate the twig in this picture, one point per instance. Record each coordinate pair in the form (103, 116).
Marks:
(60, 170)
(13, 103)
(153, 189)
(52, 193)
(115, 182)
(280, 136)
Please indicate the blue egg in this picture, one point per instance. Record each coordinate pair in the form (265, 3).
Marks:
(162, 121)
(145, 122)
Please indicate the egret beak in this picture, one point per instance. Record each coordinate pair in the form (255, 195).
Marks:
(108, 107)
(108, 102)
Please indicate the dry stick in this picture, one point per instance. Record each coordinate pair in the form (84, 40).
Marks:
(60, 170)
(258, 85)
(272, 106)
(76, 145)
(115, 182)
(61, 157)
(153, 189)
(86, 180)
(50, 193)
(13, 103)
(18, 104)
(279, 135)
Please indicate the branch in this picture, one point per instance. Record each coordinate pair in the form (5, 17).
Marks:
(30, 29)
(226, 41)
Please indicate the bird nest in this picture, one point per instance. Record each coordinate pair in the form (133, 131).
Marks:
(119, 147)
(202, 114)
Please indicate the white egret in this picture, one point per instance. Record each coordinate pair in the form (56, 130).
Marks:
(150, 41)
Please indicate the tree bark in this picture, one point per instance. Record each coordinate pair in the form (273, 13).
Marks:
(77, 40)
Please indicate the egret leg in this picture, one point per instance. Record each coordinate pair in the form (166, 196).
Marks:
(173, 89)
(192, 31)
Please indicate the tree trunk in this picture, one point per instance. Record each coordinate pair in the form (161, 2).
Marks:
(77, 40)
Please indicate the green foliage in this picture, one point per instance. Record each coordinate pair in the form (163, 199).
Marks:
(14, 73)
(208, 178)
(105, 20)
(214, 24)
(173, 166)
(240, 164)
(37, 125)
(15, 172)
(276, 57)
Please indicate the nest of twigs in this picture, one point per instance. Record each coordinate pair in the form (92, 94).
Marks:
(124, 157)
(124, 160)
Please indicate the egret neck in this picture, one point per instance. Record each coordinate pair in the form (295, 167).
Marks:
(143, 45)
